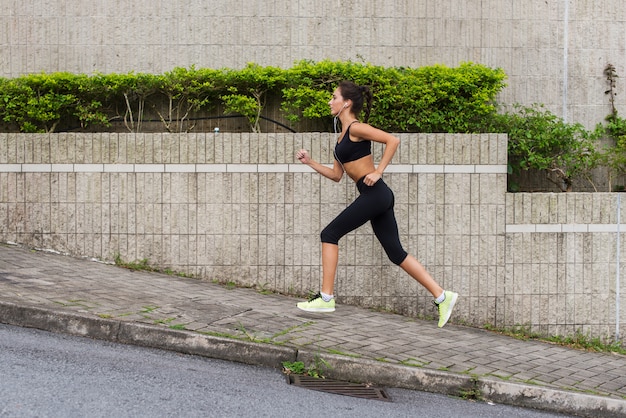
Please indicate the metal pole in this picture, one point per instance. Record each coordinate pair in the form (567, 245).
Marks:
(617, 275)
(565, 58)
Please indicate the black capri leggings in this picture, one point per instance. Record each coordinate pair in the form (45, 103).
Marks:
(374, 204)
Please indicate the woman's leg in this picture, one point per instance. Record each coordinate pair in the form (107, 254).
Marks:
(330, 258)
(416, 270)
(352, 217)
(348, 220)
(386, 229)
(324, 301)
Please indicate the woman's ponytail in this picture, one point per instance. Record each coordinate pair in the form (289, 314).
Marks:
(367, 94)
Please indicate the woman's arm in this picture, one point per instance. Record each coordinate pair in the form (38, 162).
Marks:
(335, 173)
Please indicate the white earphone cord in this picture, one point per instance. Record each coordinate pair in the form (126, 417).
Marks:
(337, 117)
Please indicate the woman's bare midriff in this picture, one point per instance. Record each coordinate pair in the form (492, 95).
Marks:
(360, 168)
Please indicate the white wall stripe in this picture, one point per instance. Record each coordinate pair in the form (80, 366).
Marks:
(603, 228)
(521, 229)
(460, 169)
(399, 168)
(242, 168)
(62, 168)
(547, 228)
(428, 168)
(239, 168)
(210, 168)
(180, 168)
(149, 168)
(575, 228)
(119, 168)
(36, 168)
(89, 168)
(492, 169)
(273, 168)
(301, 168)
(10, 168)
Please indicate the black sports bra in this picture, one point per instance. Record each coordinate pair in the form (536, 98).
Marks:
(347, 150)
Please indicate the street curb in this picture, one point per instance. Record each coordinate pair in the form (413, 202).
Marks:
(188, 342)
(339, 367)
(554, 400)
(465, 386)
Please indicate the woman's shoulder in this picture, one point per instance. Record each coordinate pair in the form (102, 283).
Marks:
(366, 132)
(363, 129)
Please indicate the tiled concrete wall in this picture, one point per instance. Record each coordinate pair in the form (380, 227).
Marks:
(239, 207)
(566, 262)
(554, 52)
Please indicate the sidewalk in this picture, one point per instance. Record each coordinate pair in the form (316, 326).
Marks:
(82, 297)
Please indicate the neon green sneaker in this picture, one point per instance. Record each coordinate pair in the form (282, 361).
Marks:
(445, 307)
(317, 304)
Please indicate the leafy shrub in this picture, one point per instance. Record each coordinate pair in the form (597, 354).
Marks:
(427, 99)
(248, 90)
(38, 102)
(613, 157)
(540, 140)
(187, 91)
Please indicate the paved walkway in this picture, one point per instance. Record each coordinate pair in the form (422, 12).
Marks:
(84, 297)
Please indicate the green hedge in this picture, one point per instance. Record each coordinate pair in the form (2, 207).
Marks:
(427, 99)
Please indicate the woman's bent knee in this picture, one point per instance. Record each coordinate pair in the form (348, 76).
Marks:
(328, 237)
(397, 257)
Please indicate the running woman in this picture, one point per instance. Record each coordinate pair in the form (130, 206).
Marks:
(353, 155)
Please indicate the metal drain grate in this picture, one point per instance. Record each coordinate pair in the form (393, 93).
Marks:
(338, 387)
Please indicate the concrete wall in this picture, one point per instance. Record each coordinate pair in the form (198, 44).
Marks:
(554, 52)
(565, 257)
(239, 207)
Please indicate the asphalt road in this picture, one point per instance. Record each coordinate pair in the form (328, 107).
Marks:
(53, 375)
